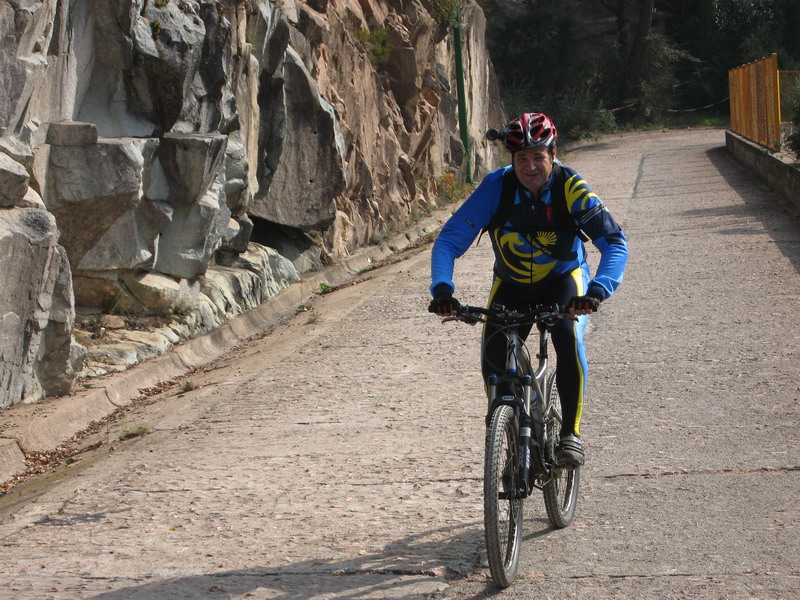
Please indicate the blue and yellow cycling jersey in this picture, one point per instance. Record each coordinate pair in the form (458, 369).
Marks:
(532, 249)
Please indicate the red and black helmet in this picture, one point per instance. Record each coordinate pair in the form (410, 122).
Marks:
(530, 130)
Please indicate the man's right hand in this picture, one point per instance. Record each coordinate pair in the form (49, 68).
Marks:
(443, 303)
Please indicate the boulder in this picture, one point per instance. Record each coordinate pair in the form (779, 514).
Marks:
(124, 224)
(161, 293)
(192, 165)
(237, 176)
(71, 133)
(13, 181)
(238, 238)
(191, 162)
(168, 45)
(305, 134)
(60, 357)
(31, 200)
(36, 311)
(249, 280)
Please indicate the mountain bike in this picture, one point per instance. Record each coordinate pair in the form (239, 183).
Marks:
(522, 436)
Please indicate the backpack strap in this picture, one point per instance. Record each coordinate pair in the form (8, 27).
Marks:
(509, 192)
(507, 195)
(558, 200)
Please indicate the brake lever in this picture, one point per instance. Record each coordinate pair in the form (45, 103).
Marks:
(469, 320)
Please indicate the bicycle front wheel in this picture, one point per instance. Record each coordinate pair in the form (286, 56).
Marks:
(561, 490)
(502, 497)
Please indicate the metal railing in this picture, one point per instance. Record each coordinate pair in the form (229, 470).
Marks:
(756, 101)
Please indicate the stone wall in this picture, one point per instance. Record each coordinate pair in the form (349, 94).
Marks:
(780, 172)
(184, 160)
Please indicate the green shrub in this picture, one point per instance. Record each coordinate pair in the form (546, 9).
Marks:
(374, 43)
(793, 101)
(447, 12)
(449, 189)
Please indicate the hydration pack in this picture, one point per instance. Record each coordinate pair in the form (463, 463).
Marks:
(560, 218)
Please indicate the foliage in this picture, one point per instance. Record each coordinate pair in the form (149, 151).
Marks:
(573, 59)
(155, 28)
(757, 28)
(449, 189)
(659, 79)
(793, 101)
(588, 122)
(111, 304)
(137, 431)
(447, 12)
(187, 386)
(374, 43)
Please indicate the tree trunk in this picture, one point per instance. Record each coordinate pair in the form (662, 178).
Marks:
(619, 9)
(638, 49)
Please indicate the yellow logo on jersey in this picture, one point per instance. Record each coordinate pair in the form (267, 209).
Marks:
(512, 247)
(546, 238)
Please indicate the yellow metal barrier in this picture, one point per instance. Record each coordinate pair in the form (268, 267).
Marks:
(755, 101)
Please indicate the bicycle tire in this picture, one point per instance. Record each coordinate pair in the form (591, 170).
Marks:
(503, 506)
(561, 490)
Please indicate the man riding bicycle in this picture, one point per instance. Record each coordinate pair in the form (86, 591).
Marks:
(538, 212)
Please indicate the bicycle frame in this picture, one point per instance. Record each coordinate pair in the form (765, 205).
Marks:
(531, 408)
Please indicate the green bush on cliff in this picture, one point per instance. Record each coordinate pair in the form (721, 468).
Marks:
(447, 12)
(449, 189)
(374, 43)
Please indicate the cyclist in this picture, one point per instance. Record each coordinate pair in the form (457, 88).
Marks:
(538, 212)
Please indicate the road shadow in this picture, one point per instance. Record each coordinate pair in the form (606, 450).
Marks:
(779, 217)
(412, 567)
(404, 569)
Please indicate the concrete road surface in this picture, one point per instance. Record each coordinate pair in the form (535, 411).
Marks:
(340, 455)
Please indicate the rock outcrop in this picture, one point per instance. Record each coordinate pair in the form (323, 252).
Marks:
(38, 355)
(187, 159)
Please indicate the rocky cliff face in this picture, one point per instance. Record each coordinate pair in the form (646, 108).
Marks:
(154, 151)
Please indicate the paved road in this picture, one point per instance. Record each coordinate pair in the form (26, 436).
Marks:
(340, 455)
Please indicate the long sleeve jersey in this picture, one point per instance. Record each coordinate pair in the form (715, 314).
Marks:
(530, 250)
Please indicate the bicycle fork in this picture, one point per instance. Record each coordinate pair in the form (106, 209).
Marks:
(522, 408)
(525, 430)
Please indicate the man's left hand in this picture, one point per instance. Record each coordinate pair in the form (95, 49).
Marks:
(583, 305)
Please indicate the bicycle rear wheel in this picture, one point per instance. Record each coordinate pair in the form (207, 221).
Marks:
(502, 501)
(561, 490)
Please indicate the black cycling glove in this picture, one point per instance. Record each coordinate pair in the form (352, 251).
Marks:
(443, 303)
(581, 303)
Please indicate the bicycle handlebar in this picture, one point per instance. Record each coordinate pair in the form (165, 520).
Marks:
(547, 314)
